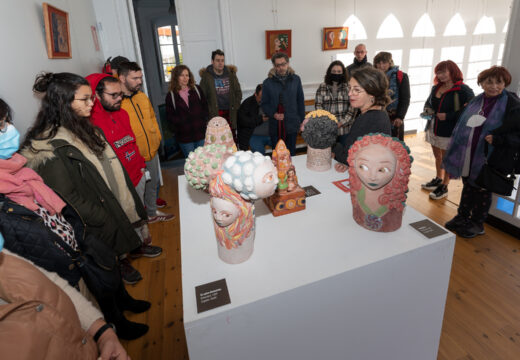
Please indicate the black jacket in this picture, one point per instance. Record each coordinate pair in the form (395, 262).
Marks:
(404, 98)
(76, 180)
(506, 139)
(248, 120)
(447, 104)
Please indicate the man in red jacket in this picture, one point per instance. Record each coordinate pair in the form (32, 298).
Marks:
(115, 124)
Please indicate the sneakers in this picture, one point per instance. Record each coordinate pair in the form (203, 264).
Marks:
(440, 192)
(160, 216)
(146, 251)
(432, 184)
(160, 203)
(129, 274)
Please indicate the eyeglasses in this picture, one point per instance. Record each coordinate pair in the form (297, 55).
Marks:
(87, 99)
(355, 90)
(280, 64)
(114, 95)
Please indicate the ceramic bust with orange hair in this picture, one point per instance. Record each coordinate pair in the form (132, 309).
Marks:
(379, 168)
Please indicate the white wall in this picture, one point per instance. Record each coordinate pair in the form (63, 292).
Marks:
(244, 22)
(24, 52)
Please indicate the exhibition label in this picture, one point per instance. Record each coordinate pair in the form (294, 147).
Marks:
(212, 295)
(428, 228)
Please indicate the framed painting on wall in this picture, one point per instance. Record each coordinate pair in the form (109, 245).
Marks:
(277, 41)
(335, 38)
(57, 32)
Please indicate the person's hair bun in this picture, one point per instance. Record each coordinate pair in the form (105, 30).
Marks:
(42, 82)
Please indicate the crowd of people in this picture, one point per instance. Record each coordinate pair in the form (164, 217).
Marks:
(78, 193)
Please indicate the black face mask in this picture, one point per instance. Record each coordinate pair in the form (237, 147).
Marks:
(339, 78)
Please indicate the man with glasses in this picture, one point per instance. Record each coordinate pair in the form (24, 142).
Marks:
(115, 124)
(283, 102)
(360, 59)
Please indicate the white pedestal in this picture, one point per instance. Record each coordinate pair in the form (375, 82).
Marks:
(345, 293)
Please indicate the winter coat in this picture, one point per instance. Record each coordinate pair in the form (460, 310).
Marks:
(118, 132)
(26, 235)
(207, 84)
(402, 81)
(291, 96)
(39, 320)
(187, 123)
(144, 124)
(356, 65)
(338, 105)
(452, 103)
(248, 119)
(67, 171)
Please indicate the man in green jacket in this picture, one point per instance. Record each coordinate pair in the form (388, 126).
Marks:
(220, 85)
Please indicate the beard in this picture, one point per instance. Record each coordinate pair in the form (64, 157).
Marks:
(110, 107)
(133, 89)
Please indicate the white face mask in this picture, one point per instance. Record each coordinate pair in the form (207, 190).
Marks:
(9, 142)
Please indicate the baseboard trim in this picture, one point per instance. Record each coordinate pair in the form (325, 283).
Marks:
(503, 226)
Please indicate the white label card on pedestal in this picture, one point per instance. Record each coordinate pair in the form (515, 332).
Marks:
(428, 228)
(212, 295)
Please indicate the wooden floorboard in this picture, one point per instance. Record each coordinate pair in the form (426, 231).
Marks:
(482, 316)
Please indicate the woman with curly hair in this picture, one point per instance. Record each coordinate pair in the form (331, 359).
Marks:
(368, 92)
(186, 110)
(379, 167)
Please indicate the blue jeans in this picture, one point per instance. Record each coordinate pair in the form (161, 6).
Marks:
(258, 143)
(290, 142)
(186, 148)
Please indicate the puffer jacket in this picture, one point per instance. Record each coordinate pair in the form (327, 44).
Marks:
(144, 124)
(78, 182)
(292, 98)
(39, 320)
(26, 235)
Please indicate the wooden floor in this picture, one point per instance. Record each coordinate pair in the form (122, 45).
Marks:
(482, 317)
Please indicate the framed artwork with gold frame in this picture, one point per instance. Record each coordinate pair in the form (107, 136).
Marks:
(57, 32)
(277, 41)
(335, 38)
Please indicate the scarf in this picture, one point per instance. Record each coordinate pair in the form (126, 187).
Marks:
(24, 186)
(362, 62)
(461, 139)
(391, 74)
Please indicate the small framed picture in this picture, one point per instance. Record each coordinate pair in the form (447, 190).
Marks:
(335, 38)
(277, 41)
(57, 32)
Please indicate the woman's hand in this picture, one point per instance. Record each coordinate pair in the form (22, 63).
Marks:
(110, 348)
(441, 116)
(489, 139)
(340, 167)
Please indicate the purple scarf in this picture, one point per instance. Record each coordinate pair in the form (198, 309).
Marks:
(455, 155)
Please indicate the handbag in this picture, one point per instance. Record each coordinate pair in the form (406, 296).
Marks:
(493, 180)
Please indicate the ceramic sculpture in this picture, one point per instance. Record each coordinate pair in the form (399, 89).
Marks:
(289, 196)
(219, 132)
(379, 168)
(319, 130)
(244, 178)
(203, 164)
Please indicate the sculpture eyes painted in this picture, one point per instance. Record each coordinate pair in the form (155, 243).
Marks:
(375, 166)
(224, 212)
(265, 179)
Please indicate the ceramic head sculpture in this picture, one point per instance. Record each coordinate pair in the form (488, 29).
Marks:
(233, 220)
(379, 168)
(281, 158)
(250, 174)
(319, 130)
(203, 164)
(219, 132)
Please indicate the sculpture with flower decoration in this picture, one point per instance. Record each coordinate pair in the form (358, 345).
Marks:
(379, 169)
(319, 130)
(203, 164)
(289, 196)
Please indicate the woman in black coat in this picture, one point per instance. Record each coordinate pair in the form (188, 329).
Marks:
(447, 99)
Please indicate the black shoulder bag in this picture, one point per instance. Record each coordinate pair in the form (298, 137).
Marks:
(493, 180)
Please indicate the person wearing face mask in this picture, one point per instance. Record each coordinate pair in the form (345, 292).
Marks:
(488, 133)
(332, 96)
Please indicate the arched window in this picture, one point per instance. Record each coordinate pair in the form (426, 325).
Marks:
(506, 25)
(486, 25)
(390, 28)
(455, 27)
(356, 30)
(424, 27)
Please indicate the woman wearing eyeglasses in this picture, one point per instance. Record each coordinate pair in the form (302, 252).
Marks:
(368, 92)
